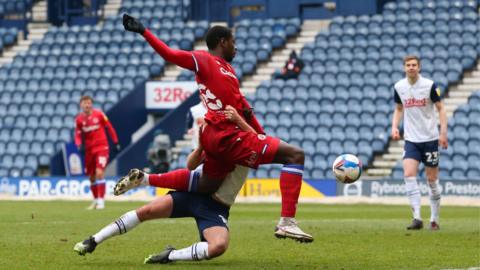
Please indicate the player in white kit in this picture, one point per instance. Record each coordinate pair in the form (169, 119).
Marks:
(416, 98)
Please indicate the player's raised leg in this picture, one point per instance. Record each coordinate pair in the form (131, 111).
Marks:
(134, 178)
(180, 180)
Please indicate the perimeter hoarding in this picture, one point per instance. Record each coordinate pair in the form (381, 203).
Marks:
(383, 188)
(311, 188)
(57, 187)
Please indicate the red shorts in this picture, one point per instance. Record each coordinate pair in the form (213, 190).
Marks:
(95, 160)
(226, 147)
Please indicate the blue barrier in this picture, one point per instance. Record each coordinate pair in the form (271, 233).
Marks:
(173, 124)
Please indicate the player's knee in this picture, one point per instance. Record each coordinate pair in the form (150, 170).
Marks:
(432, 177)
(145, 213)
(99, 174)
(297, 156)
(217, 248)
(409, 172)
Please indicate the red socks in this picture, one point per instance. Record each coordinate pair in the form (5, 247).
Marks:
(100, 188)
(94, 189)
(181, 180)
(290, 185)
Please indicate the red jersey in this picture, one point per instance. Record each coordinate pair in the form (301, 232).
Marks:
(218, 86)
(216, 80)
(92, 129)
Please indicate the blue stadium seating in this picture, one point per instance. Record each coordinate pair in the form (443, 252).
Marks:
(40, 89)
(357, 61)
(341, 102)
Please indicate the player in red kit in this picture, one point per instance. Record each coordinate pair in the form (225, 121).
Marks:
(225, 144)
(90, 137)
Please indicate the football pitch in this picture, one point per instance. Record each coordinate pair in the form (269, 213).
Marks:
(41, 235)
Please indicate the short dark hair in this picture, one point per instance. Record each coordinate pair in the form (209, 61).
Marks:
(411, 57)
(86, 98)
(215, 34)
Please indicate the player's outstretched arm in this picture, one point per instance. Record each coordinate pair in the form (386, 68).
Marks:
(180, 58)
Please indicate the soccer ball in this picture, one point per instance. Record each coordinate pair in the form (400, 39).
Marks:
(347, 168)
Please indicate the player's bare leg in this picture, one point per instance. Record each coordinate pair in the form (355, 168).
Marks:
(434, 193)
(290, 184)
(410, 168)
(217, 243)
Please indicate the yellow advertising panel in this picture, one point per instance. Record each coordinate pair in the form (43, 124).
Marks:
(264, 188)
(161, 191)
(271, 187)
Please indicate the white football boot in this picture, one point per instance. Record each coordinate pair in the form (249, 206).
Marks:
(288, 228)
(133, 179)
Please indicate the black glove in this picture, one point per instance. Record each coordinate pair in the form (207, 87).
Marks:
(117, 146)
(132, 24)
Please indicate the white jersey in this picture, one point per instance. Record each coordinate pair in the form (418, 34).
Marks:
(420, 122)
(197, 111)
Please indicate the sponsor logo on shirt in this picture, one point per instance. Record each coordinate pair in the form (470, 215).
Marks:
(226, 72)
(413, 102)
(209, 99)
(90, 128)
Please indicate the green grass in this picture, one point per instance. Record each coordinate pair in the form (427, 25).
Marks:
(41, 235)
